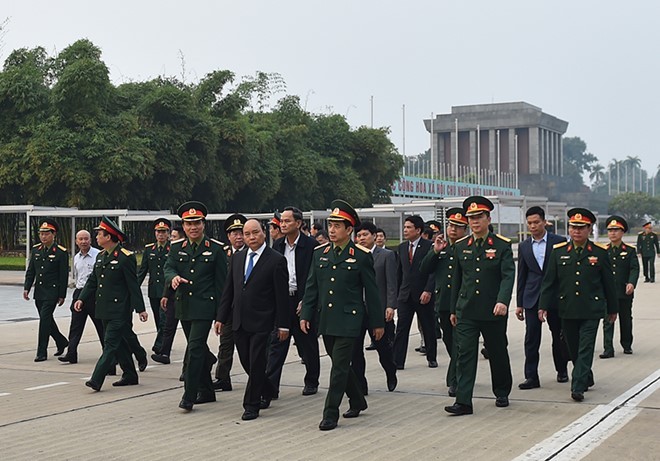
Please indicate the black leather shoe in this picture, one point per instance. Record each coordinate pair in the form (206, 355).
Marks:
(353, 412)
(327, 425)
(249, 415)
(529, 384)
(562, 377)
(182, 378)
(590, 383)
(433, 364)
(186, 405)
(264, 403)
(370, 347)
(577, 396)
(221, 385)
(68, 358)
(40, 358)
(502, 402)
(60, 350)
(125, 382)
(309, 390)
(421, 350)
(484, 352)
(451, 391)
(392, 381)
(627, 351)
(459, 409)
(143, 365)
(93, 385)
(160, 358)
(606, 355)
(205, 397)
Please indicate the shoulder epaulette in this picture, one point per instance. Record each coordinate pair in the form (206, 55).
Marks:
(37, 245)
(501, 237)
(632, 246)
(365, 249)
(321, 245)
(222, 244)
(61, 247)
(177, 241)
(149, 245)
(600, 245)
(640, 232)
(461, 239)
(559, 245)
(126, 252)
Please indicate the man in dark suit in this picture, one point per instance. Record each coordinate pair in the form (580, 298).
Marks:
(533, 257)
(415, 293)
(256, 298)
(298, 250)
(385, 269)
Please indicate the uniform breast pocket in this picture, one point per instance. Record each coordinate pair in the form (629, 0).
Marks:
(183, 258)
(323, 265)
(208, 259)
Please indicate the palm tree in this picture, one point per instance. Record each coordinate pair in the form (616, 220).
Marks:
(597, 175)
(634, 163)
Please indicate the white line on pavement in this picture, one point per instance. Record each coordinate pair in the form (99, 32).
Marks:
(4, 393)
(582, 436)
(36, 388)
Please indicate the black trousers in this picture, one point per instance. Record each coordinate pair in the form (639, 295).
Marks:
(648, 265)
(450, 344)
(385, 355)
(533, 343)
(169, 329)
(78, 320)
(253, 354)
(308, 345)
(225, 352)
(159, 320)
(426, 314)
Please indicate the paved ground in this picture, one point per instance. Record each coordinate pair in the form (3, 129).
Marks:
(47, 413)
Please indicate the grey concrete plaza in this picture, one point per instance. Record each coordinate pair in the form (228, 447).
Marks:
(47, 413)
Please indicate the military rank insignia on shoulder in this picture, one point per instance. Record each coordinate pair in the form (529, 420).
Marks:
(126, 252)
(149, 245)
(61, 247)
(501, 237)
(37, 245)
(461, 239)
(321, 245)
(365, 249)
(222, 244)
(600, 245)
(559, 245)
(177, 241)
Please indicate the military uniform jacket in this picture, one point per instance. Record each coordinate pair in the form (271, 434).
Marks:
(343, 290)
(625, 267)
(48, 270)
(153, 263)
(114, 285)
(442, 265)
(582, 286)
(482, 277)
(206, 270)
(648, 244)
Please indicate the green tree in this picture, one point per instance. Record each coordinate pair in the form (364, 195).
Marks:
(577, 161)
(633, 206)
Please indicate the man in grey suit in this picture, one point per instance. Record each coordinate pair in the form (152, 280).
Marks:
(533, 256)
(385, 268)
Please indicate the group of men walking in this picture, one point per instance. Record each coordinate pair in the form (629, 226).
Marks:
(458, 283)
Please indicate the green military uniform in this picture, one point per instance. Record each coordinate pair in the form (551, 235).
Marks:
(113, 284)
(579, 282)
(647, 245)
(204, 265)
(341, 291)
(48, 270)
(153, 264)
(625, 268)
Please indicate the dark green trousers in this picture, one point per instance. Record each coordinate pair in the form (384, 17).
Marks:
(625, 327)
(466, 337)
(342, 378)
(115, 350)
(134, 343)
(48, 327)
(580, 338)
(160, 318)
(225, 353)
(197, 374)
(450, 345)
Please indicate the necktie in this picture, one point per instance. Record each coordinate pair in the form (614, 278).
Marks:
(194, 247)
(480, 242)
(337, 251)
(410, 253)
(578, 250)
(250, 266)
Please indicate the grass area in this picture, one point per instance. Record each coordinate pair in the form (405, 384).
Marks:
(12, 263)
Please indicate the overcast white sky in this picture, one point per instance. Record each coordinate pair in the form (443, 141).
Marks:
(592, 63)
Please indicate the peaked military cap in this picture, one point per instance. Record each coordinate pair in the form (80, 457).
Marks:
(192, 211)
(343, 211)
(235, 221)
(277, 219)
(162, 224)
(580, 217)
(476, 205)
(434, 225)
(111, 228)
(617, 222)
(48, 225)
(456, 216)
(647, 224)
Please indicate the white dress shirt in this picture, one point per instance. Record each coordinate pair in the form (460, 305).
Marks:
(290, 255)
(83, 265)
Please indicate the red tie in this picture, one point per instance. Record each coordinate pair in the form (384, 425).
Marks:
(410, 253)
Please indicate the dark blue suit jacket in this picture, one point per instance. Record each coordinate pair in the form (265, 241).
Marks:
(530, 275)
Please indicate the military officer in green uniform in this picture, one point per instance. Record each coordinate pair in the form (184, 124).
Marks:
(196, 268)
(153, 264)
(625, 268)
(441, 261)
(113, 284)
(580, 282)
(647, 245)
(48, 270)
(482, 284)
(342, 289)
